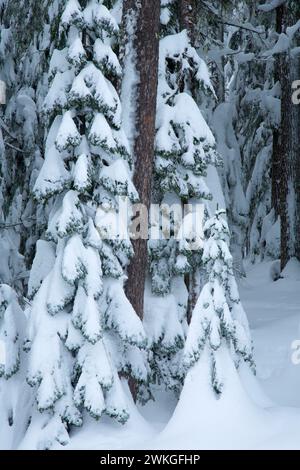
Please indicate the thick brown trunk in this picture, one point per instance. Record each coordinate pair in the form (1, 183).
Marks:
(146, 45)
(144, 16)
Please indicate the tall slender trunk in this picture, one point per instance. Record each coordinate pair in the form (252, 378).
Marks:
(220, 63)
(276, 153)
(187, 17)
(144, 17)
(296, 130)
(289, 149)
(187, 12)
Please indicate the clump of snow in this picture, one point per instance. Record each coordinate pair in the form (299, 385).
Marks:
(275, 270)
(292, 270)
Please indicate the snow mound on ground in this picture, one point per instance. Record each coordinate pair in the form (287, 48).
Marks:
(234, 421)
(292, 270)
(275, 270)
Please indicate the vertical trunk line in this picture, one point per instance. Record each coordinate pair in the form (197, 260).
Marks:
(146, 45)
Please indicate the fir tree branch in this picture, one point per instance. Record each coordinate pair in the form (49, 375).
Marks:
(15, 224)
(6, 129)
(223, 20)
(14, 147)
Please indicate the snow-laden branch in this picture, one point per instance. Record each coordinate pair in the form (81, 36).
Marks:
(284, 41)
(228, 22)
(4, 226)
(11, 135)
(13, 147)
(266, 7)
(6, 129)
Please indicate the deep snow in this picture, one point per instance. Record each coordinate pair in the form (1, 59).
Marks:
(273, 309)
(270, 418)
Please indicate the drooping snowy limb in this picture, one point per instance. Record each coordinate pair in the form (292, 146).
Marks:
(218, 320)
(271, 5)
(79, 310)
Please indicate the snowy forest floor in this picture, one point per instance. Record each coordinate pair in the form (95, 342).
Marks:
(273, 310)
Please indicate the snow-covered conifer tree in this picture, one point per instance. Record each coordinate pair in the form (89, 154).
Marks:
(13, 393)
(185, 147)
(23, 46)
(244, 122)
(255, 93)
(12, 323)
(83, 332)
(219, 321)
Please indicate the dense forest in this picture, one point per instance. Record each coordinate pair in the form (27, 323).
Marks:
(111, 312)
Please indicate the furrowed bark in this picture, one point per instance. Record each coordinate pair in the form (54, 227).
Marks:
(145, 42)
(289, 153)
(146, 45)
(276, 153)
(187, 12)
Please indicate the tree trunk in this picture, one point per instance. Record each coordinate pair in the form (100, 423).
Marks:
(220, 63)
(187, 16)
(276, 153)
(289, 148)
(146, 51)
(296, 164)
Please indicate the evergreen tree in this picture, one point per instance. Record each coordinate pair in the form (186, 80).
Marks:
(185, 147)
(219, 320)
(12, 331)
(83, 332)
(286, 182)
(13, 394)
(23, 46)
(244, 122)
(259, 112)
